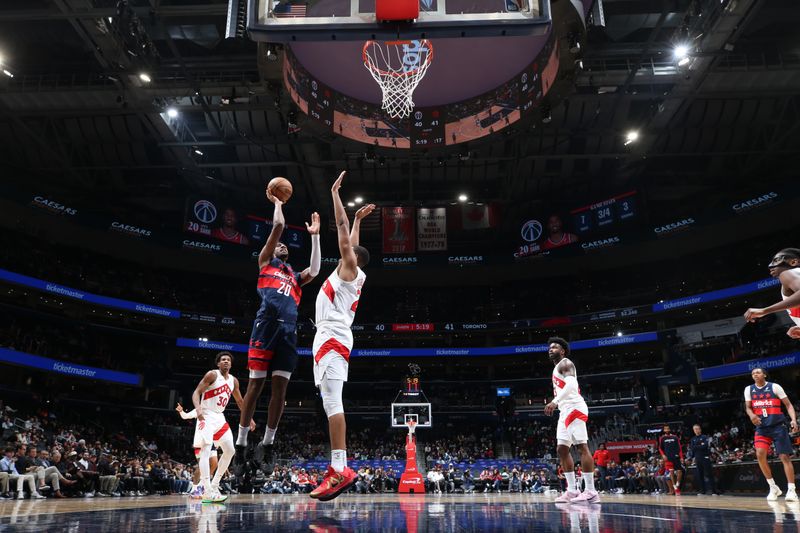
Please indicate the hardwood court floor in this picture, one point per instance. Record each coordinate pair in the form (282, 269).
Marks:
(393, 512)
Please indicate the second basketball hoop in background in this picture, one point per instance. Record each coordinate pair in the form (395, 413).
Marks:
(398, 67)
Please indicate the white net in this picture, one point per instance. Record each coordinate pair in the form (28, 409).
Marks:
(398, 67)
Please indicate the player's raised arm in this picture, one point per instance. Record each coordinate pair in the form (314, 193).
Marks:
(316, 252)
(205, 383)
(348, 270)
(278, 223)
(789, 279)
(361, 214)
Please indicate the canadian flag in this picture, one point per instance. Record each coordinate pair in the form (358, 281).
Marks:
(475, 216)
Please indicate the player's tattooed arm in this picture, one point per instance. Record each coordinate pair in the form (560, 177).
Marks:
(278, 223)
(790, 279)
(205, 383)
(566, 368)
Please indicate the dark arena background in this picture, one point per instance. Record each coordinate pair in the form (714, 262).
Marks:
(620, 174)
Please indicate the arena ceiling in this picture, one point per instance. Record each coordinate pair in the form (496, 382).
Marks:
(77, 116)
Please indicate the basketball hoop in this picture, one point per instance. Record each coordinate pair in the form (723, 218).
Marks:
(398, 67)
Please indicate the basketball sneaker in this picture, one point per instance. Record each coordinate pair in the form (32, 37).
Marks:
(791, 496)
(214, 497)
(264, 457)
(334, 484)
(240, 461)
(588, 496)
(774, 492)
(197, 493)
(567, 496)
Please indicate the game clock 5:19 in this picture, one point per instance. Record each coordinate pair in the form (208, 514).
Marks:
(427, 128)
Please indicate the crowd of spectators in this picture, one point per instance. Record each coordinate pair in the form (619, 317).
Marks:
(48, 456)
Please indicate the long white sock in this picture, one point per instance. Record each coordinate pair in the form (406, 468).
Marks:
(241, 440)
(570, 481)
(588, 482)
(771, 482)
(791, 486)
(269, 436)
(339, 460)
(205, 467)
(224, 462)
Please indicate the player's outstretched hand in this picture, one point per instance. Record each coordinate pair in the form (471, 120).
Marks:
(313, 228)
(365, 211)
(753, 313)
(794, 332)
(549, 408)
(252, 425)
(179, 408)
(756, 420)
(338, 183)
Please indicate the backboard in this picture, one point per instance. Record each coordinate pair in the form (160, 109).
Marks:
(331, 20)
(401, 412)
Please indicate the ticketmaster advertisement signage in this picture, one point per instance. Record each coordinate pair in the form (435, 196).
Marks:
(442, 352)
(51, 365)
(745, 367)
(107, 301)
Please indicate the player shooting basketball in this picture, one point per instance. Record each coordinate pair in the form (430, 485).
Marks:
(337, 302)
(784, 266)
(273, 342)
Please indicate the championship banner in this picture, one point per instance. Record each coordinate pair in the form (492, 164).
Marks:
(398, 230)
(431, 229)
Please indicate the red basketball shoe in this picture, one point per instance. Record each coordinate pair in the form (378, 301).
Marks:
(334, 484)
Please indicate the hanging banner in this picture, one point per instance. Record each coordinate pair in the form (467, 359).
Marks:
(431, 229)
(398, 230)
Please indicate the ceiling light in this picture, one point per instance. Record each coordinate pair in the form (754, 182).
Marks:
(462, 198)
(684, 61)
(631, 136)
(198, 151)
(145, 77)
(680, 51)
(172, 112)
(351, 204)
(619, 334)
(7, 73)
(359, 200)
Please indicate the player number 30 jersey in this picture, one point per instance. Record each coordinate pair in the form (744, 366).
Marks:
(217, 396)
(337, 301)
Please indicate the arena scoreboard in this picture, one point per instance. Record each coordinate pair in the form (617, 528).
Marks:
(320, 103)
(604, 214)
(427, 128)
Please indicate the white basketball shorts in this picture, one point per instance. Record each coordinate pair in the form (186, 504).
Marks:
(331, 352)
(572, 424)
(211, 429)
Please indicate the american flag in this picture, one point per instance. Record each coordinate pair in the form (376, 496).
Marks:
(289, 10)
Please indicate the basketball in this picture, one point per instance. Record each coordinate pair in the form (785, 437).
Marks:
(280, 188)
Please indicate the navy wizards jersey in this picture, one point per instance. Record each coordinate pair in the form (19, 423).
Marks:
(766, 404)
(279, 288)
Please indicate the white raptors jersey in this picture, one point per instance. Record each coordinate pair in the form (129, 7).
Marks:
(337, 300)
(794, 312)
(573, 397)
(217, 396)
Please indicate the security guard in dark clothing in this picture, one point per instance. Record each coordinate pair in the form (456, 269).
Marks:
(700, 448)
